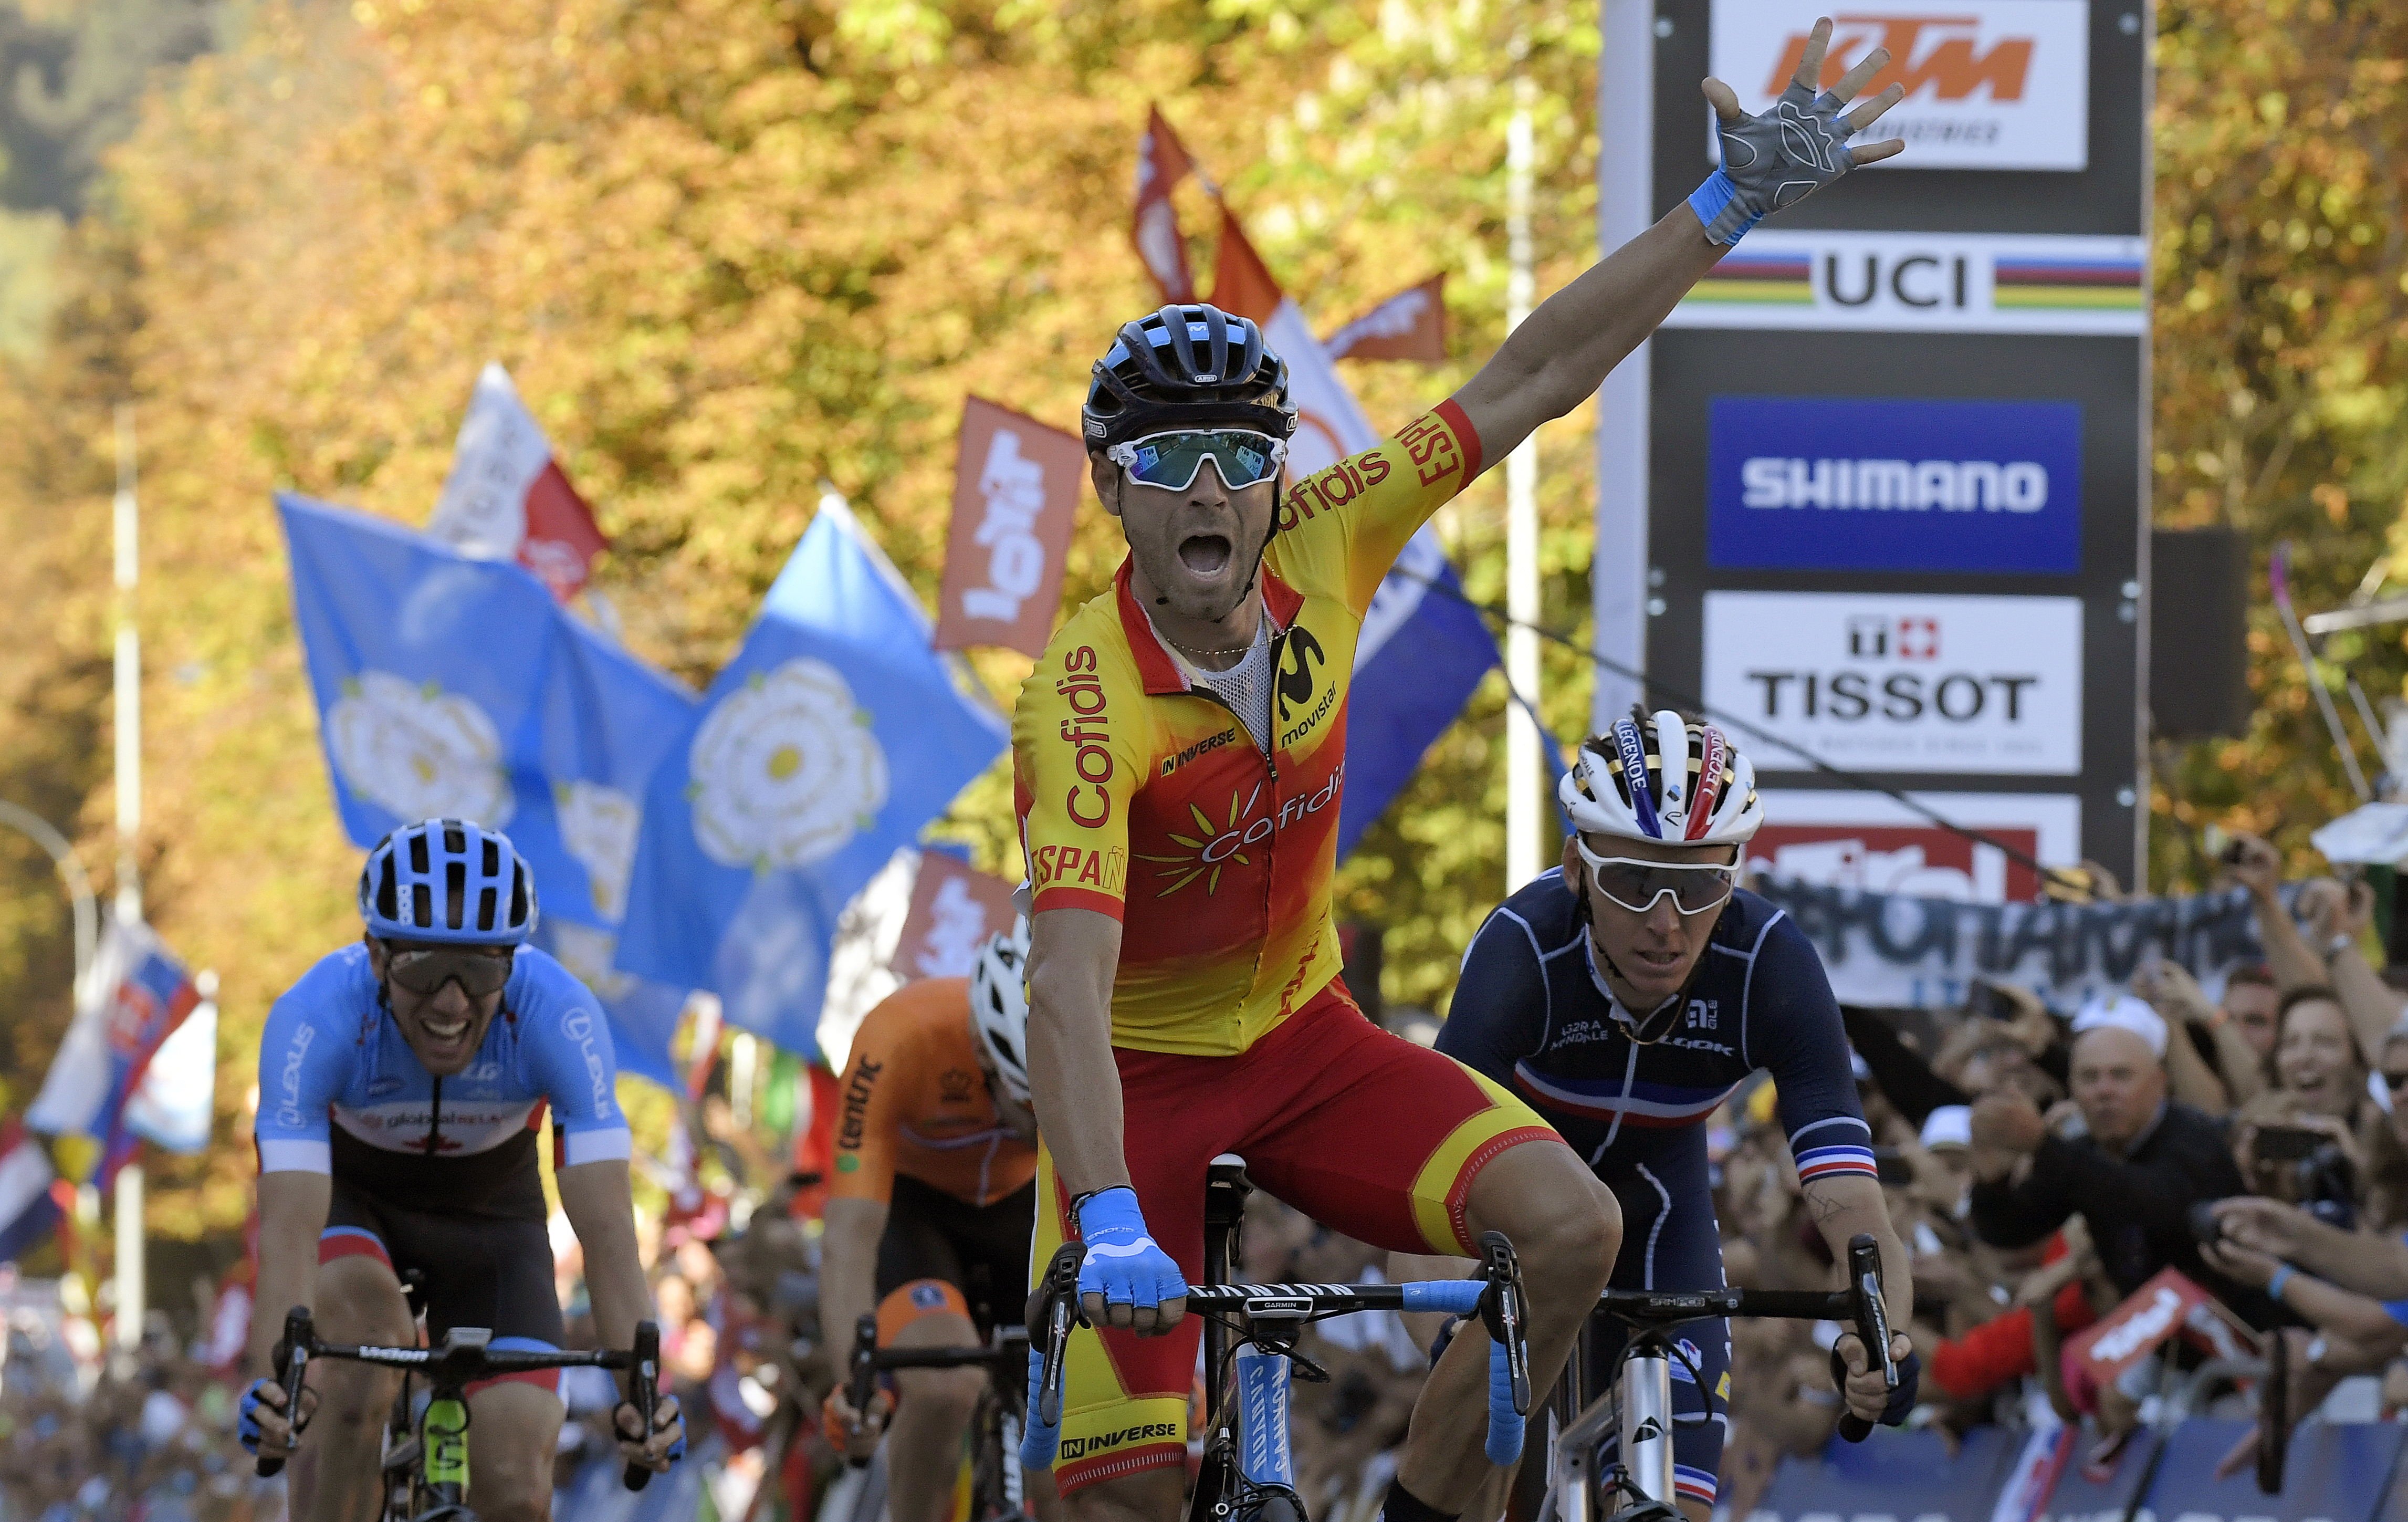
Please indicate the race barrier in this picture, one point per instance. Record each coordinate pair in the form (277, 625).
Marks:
(2336, 1472)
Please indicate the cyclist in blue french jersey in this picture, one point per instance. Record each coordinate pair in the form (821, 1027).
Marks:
(1626, 995)
(402, 1085)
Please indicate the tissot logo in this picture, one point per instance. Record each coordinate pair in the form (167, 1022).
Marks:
(1903, 681)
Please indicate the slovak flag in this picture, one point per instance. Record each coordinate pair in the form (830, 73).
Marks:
(139, 994)
(507, 497)
(27, 1209)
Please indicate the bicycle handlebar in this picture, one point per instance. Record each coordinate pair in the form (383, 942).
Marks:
(465, 1362)
(1496, 1296)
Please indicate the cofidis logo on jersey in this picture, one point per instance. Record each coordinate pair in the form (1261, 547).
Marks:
(1889, 483)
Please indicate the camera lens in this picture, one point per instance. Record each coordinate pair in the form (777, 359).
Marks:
(2204, 1223)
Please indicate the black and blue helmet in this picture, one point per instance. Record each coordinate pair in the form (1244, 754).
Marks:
(448, 881)
(1185, 365)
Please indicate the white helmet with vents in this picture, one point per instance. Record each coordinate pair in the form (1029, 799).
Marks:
(999, 1006)
(1622, 785)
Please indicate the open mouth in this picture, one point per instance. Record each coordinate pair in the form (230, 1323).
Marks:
(1205, 555)
(445, 1037)
(1657, 961)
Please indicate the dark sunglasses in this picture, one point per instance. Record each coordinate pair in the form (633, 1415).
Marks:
(479, 973)
(1171, 460)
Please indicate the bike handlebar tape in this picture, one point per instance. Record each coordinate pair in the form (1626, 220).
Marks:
(1039, 1438)
(1457, 1297)
(1504, 1422)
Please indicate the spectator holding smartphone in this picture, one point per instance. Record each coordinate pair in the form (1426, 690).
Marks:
(2315, 1137)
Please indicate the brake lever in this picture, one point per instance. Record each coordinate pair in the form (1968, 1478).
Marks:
(1060, 1295)
(860, 1374)
(291, 1360)
(1873, 1323)
(644, 1394)
(1505, 1313)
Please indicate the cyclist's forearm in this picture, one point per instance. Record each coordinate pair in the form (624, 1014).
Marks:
(291, 1213)
(1845, 1207)
(1074, 1082)
(1559, 358)
(848, 1273)
(601, 1209)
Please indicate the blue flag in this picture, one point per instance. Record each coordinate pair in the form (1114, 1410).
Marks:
(455, 687)
(1422, 652)
(830, 739)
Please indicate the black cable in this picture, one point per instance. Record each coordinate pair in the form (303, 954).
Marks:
(1696, 705)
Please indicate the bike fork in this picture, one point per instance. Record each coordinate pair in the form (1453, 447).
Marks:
(1263, 1457)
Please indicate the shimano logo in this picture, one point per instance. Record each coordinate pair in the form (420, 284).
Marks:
(1771, 481)
(289, 1080)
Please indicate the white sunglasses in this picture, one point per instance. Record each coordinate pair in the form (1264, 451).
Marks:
(1636, 885)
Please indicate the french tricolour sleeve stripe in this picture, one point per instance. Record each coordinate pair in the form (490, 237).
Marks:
(290, 1157)
(1834, 1161)
(600, 1146)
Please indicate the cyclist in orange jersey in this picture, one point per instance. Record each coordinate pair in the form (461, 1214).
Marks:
(930, 1214)
(1178, 760)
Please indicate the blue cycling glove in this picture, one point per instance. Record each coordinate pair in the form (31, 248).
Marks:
(247, 1427)
(1122, 1264)
(1774, 161)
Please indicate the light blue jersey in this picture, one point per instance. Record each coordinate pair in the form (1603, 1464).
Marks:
(332, 1059)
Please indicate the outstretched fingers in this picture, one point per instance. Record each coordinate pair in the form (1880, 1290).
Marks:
(1722, 99)
(1845, 88)
(1810, 63)
(1869, 111)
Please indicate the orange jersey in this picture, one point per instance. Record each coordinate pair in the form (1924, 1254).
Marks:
(914, 1101)
(1144, 798)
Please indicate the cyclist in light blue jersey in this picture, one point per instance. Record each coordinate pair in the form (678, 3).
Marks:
(403, 1082)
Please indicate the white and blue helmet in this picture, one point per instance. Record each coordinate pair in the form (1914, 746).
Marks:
(1663, 779)
(448, 881)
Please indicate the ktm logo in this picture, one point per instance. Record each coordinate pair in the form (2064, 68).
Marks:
(1296, 681)
(1936, 53)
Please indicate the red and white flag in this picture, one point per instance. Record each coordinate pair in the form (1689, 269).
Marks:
(1411, 324)
(1162, 162)
(506, 499)
(1015, 501)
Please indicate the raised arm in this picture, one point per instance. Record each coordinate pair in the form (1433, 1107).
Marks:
(1564, 352)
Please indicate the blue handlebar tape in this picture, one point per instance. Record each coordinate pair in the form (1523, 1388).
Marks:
(1037, 1441)
(1504, 1422)
(1457, 1297)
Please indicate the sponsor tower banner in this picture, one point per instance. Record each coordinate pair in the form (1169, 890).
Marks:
(1016, 486)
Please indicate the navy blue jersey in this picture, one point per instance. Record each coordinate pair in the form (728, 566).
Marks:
(1532, 1011)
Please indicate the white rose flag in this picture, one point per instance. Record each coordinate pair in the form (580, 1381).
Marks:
(454, 686)
(831, 739)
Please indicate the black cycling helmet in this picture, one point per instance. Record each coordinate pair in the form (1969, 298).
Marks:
(1186, 364)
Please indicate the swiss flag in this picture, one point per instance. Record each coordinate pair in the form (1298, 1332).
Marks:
(506, 498)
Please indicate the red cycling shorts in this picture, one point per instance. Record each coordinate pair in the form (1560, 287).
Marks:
(1361, 1131)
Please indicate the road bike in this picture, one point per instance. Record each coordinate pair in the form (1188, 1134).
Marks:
(1636, 1406)
(425, 1462)
(1250, 1335)
(997, 1486)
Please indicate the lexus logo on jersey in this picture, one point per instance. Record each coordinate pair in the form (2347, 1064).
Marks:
(1901, 683)
(1990, 84)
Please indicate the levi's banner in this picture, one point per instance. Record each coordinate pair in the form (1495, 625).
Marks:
(507, 497)
(1889, 950)
(1015, 499)
(1892, 483)
(954, 908)
(1990, 84)
(1925, 282)
(1900, 681)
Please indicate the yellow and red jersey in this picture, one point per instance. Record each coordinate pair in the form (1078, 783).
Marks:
(914, 1101)
(1144, 797)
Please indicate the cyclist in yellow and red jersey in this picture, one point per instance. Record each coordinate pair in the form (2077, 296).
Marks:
(1179, 755)
(930, 1214)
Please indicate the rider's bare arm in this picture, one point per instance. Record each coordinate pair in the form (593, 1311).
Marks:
(1072, 1079)
(1564, 350)
(292, 1212)
(849, 1271)
(1844, 1206)
(601, 1209)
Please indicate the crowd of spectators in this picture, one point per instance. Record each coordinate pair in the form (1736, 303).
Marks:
(2042, 1165)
